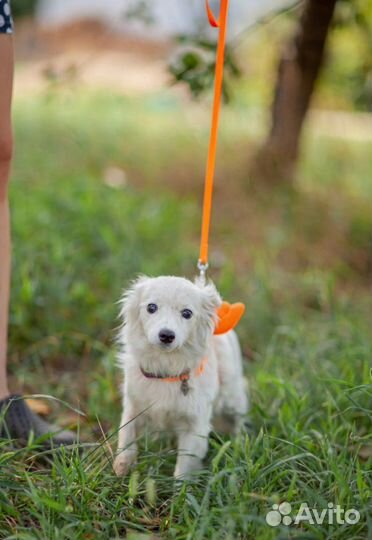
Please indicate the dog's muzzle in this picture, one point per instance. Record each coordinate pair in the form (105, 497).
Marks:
(166, 336)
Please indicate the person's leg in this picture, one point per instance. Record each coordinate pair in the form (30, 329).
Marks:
(17, 420)
(6, 83)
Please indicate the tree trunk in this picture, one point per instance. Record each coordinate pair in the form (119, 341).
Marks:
(297, 74)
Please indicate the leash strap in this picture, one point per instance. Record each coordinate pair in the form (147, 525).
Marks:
(220, 23)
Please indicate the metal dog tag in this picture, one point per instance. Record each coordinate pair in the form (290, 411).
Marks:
(185, 388)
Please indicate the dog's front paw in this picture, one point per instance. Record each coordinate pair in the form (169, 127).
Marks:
(188, 470)
(122, 464)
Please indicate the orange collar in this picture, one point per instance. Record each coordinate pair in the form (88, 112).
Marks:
(183, 378)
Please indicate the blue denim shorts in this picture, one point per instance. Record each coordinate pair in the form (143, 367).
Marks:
(6, 21)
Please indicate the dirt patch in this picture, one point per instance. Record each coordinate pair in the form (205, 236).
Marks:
(89, 53)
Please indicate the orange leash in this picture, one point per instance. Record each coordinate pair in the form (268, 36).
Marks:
(228, 314)
(221, 23)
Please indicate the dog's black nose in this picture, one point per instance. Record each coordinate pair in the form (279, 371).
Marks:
(166, 336)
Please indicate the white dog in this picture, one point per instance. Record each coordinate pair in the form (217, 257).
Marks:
(177, 374)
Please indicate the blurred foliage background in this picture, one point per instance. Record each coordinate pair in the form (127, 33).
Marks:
(345, 84)
(350, 63)
(22, 8)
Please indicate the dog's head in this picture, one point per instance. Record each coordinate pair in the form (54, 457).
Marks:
(169, 314)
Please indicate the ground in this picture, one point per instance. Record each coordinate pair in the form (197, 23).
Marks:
(107, 184)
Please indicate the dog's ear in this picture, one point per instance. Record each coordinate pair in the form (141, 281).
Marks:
(211, 301)
(131, 300)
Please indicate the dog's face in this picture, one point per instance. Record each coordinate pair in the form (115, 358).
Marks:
(170, 313)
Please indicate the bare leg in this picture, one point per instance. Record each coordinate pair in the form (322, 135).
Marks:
(6, 83)
(19, 420)
(127, 446)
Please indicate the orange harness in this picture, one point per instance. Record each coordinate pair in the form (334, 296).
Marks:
(228, 317)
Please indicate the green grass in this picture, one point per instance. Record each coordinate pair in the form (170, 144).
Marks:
(77, 243)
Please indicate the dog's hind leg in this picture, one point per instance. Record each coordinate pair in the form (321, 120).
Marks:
(232, 403)
(127, 446)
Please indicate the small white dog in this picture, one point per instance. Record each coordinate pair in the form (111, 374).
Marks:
(177, 374)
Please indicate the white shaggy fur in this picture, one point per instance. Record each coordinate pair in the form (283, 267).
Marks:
(219, 391)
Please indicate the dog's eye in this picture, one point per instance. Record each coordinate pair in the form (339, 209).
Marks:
(151, 308)
(186, 313)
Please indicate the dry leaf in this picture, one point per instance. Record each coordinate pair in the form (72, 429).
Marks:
(365, 452)
(38, 406)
